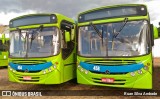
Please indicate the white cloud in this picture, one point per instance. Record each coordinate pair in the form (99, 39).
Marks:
(153, 7)
(6, 17)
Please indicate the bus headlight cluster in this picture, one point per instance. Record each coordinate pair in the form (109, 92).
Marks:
(82, 69)
(134, 73)
(11, 69)
(48, 70)
(146, 67)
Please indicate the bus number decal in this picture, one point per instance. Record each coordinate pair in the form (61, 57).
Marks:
(19, 67)
(96, 68)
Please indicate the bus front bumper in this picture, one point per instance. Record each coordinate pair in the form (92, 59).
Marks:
(52, 77)
(143, 81)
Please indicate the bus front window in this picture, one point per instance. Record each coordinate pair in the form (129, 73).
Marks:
(132, 40)
(44, 43)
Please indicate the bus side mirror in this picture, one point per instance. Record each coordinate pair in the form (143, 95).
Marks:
(152, 34)
(67, 36)
(156, 34)
(158, 31)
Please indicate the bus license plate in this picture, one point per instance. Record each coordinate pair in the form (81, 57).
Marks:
(108, 80)
(27, 78)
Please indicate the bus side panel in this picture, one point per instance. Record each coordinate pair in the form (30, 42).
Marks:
(53, 78)
(142, 83)
(70, 67)
(3, 58)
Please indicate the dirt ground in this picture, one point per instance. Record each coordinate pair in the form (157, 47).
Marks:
(72, 85)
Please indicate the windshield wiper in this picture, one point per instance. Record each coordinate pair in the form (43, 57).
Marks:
(117, 33)
(35, 33)
(97, 31)
(125, 22)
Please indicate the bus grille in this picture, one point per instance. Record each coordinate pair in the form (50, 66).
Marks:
(28, 62)
(23, 71)
(111, 62)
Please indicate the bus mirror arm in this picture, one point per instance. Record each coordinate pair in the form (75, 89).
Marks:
(159, 30)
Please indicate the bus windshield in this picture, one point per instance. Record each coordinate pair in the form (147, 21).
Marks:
(44, 43)
(132, 40)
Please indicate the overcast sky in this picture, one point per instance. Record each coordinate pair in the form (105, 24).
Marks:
(13, 8)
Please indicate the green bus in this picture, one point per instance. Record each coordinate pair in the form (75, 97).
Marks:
(42, 49)
(4, 47)
(115, 47)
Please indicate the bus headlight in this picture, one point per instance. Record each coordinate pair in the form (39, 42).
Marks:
(86, 72)
(54, 66)
(139, 71)
(82, 70)
(79, 66)
(146, 68)
(49, 69)
(132, 74)
(11, 69)
(44, 72)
